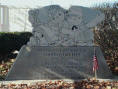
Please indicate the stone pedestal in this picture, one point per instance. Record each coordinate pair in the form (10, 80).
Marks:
(57, 63)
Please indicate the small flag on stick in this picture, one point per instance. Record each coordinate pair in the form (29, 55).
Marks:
(95, 64)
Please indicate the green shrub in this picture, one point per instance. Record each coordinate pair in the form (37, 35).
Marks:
(12, 41)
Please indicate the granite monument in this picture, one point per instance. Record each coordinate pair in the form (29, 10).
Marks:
(61, 47)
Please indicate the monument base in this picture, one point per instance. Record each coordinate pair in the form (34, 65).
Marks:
(57, 63)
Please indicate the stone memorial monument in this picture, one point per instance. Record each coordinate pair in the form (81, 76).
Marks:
(61, 46)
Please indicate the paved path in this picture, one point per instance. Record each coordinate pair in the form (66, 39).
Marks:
(65, 80)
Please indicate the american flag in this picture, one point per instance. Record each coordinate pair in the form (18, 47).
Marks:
(95, 63)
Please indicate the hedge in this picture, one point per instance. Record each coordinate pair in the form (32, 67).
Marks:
(12, 41)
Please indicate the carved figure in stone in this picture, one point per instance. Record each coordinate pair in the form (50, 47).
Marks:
(56, 26)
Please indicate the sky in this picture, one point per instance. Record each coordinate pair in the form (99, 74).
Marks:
(63, 3)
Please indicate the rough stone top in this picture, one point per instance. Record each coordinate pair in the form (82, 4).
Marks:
(44, 15)
(54, 25)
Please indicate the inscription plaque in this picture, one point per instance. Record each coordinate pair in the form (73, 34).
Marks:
(57, 63)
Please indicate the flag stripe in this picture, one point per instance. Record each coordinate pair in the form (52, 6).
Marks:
(95, 63)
